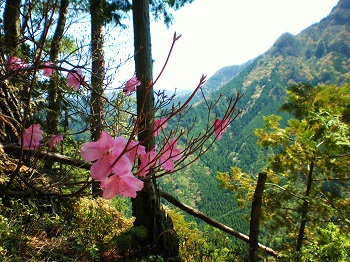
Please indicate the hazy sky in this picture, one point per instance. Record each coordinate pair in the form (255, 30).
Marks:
(221, 33)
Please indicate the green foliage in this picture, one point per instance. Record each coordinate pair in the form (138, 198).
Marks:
(83, 230)
(161, 8)
(204, 245)
(319, 135)
(12, 239)
(333, 245)
(308, 154)
(234, 181)
(95, 224)
(205, 195)
(130, 239)
(67, 46)
(321, 49)
(286, 45)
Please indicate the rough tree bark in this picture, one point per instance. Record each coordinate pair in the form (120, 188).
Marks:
(10, 113)
(255, 216)
(12, 26)
(97, 75)
(54, 95)
(146, 206)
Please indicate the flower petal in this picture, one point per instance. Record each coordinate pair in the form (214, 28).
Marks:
(91, 151)
(126, 185)
(101, 169)
(131, 85)
(220, 126)
(159, 124)
(147, 161)
(54, 139)
(48, 70)
(32, 137)
(170, 154)
(123, 166)
(75, 79)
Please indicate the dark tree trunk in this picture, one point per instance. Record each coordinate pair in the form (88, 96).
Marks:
(146, 206)
(9, 105)
(97, 75)
(12, 26)
(61, 24)
(54, 96)
(305, 209)
(255, 216)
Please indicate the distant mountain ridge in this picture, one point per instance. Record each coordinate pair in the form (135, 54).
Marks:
(320, 54)
(328, 37)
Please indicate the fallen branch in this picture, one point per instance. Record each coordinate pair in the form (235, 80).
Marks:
(65, 160)
(53, 157)
(212, 222)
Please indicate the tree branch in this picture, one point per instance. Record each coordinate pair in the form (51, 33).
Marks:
(212, 222)
(54, 157)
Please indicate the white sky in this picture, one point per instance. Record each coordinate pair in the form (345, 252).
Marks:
(220, 33)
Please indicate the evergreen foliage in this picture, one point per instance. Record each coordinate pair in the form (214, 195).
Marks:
(304, 148)
(307, 168)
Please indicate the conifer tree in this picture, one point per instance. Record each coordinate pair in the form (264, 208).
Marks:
(311, 158)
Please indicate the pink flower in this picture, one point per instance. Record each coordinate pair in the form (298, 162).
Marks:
(106, 151)
(124, 165)
(75, 79)
(113, 164)
(220, 126)
(147, 161)
(32, 137)
(123, 185)
(15, 63)
(170, 154)
(48, 70)
(131, 85)
(134, 150)
(54, 139)
(159, 124)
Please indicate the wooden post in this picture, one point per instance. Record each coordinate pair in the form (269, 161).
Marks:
(255, 215)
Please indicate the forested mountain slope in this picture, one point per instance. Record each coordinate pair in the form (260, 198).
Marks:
(320, 54)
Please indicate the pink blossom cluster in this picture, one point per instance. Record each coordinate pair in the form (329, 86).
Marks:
(74, 78)
(131, 85)
(109, 156)
(48, 70)
(114, 160)
(32, 137)
(14, 63)
(220, 126)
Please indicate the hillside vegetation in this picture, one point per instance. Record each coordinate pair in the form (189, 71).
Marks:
(291, 123)
(319, 55)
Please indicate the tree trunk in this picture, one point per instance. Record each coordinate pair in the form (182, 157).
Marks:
(12, 26)
(9, 102)
(97, 75)
(146, 206)
(305, 209)
(54, 95)
(255, 216)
